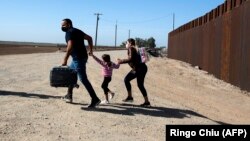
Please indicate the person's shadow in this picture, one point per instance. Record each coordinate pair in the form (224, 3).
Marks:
(27, 95)
(155, 111)
(33, 95)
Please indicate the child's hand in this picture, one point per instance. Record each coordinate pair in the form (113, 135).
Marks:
(119, 61)
(91, 54)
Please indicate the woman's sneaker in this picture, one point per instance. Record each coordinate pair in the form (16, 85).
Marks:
(145, 104)
(128, 99)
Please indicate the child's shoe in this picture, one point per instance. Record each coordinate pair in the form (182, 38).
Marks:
(111, 95)
(105, 102)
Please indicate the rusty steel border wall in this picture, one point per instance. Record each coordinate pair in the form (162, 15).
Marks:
(218, 42)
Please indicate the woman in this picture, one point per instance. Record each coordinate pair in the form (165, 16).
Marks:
(138, 71)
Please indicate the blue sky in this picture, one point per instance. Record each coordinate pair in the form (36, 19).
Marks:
(40, 20)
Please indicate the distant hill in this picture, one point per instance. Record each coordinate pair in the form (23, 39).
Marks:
(30, 44)
(15, 43)
(13, 47)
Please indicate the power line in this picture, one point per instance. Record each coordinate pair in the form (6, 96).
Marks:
(137, 22)
(132, 22)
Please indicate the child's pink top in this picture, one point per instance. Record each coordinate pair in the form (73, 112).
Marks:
(106, 70)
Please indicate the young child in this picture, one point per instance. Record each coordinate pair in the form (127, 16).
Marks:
(107, 69)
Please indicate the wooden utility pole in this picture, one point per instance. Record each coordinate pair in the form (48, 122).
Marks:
(97, 20)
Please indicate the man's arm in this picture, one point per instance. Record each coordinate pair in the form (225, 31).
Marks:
(90, 42)
(68, 51)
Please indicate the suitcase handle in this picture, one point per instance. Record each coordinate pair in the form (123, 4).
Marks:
(63, 66)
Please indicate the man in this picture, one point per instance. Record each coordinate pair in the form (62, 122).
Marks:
(77, 50)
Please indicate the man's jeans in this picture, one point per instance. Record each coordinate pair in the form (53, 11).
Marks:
(80, 67)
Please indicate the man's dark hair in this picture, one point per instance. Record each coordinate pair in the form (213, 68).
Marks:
(68, 22)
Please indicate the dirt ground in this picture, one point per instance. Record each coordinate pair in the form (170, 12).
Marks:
(179, 94)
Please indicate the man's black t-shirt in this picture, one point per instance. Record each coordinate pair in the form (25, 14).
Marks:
(78, 49)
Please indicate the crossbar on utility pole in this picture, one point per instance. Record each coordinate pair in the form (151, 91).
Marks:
(97, 20)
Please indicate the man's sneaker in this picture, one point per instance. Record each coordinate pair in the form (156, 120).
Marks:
(111, 96)
(128, 99)
(105, 102)
(68, 98)
(94, 103)
(145, 104)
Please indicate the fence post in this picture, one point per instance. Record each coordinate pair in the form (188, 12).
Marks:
(238, 3)
(229, 5)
